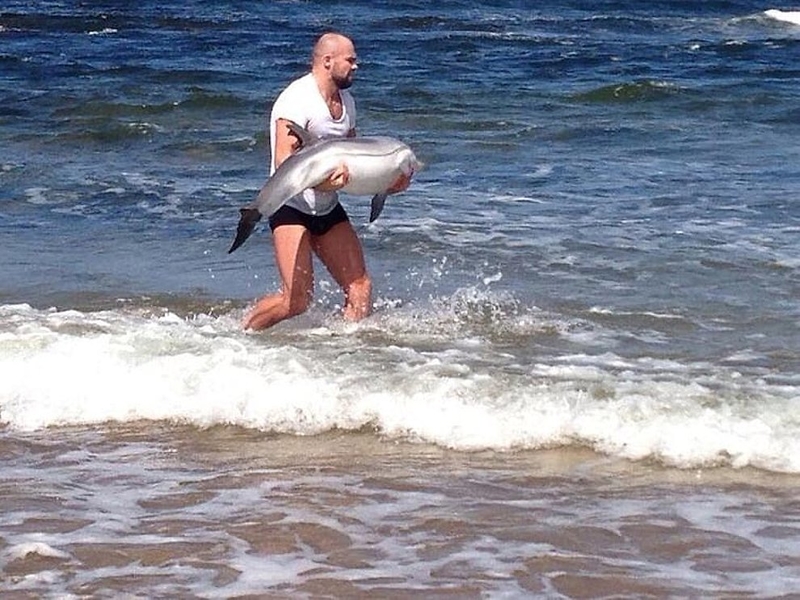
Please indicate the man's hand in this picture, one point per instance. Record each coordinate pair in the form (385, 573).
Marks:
(336, 180)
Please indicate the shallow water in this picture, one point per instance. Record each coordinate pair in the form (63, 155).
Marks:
(580, 379)
(226, 512)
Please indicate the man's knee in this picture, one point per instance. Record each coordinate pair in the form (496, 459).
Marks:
(297, 301)
(296, 304)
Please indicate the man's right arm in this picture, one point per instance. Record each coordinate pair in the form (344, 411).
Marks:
(286, 144)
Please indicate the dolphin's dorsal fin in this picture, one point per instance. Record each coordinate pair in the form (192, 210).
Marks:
(305, 137)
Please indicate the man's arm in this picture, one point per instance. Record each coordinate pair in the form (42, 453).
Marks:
(286, 143)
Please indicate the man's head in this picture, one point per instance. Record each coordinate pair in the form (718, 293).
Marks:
(335, 55)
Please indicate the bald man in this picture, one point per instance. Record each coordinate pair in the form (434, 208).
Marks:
(314, 222)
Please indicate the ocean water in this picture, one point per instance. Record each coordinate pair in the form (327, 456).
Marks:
(582, 375)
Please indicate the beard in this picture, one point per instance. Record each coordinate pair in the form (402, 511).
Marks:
(343, 82)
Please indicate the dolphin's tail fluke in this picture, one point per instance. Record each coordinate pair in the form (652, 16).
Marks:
(247, 222)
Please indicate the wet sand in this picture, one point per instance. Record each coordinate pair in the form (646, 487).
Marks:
(152, 510)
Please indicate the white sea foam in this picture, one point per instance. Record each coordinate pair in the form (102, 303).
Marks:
(104, 31)
(38, 195)
(21, 551)
(410, 381)
(786, 16)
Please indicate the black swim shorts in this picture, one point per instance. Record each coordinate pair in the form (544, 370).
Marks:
(316, 224)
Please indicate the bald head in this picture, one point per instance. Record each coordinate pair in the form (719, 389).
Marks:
(329, 43)
(334, 58)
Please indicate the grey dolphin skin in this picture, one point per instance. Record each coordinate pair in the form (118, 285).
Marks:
(374, 164)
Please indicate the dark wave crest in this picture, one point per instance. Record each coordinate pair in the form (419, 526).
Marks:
(637, 91)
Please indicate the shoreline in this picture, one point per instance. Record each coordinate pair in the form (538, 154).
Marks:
(220, 445)
(149, 508)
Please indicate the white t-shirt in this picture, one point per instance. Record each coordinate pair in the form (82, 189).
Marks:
(303, 103)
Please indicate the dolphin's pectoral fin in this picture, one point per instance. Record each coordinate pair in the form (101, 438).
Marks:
(378, 200)
(303, 135)
(247, 222)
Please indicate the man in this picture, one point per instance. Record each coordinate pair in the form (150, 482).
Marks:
(315, 222)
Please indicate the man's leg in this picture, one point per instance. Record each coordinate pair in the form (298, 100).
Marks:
(294, 260)
(340, 251)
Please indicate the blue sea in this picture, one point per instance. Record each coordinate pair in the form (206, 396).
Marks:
(581, 378)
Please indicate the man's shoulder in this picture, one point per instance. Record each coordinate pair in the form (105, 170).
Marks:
(295, 102)
(299, 86)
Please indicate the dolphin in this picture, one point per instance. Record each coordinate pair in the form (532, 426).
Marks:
(374, 164)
